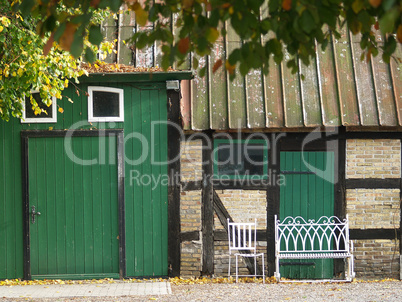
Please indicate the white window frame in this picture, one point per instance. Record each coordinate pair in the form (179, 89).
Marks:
(92, 118)
(34, 120)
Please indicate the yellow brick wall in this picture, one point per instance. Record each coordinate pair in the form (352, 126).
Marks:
(373, 158)
(374, 208)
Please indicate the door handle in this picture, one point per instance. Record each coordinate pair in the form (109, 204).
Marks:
(34, 213)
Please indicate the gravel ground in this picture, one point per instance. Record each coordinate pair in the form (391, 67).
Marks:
(356, 291)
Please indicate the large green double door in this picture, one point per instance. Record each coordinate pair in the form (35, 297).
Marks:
(73, 184)
(308, 191)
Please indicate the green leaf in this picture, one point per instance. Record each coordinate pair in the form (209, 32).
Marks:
(387, 21)
(89, 55)
(306, 22)
(95, 36)
(77, 46)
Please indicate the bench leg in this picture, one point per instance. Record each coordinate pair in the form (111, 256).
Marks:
(277, 273)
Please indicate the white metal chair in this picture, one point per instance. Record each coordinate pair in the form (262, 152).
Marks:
(242, 237)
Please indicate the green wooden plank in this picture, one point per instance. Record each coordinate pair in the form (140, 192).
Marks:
(42, 204)
(61, 256)
(218, 89)
(69, 208)
(112, 264)
(156, 150)
(364, 86)
(147, 186)
(65, 119)
(291, 97)
(33, 199)
(310, 95)
(51, 221)
(129, 118)
(103, 222)
(10, 169)
(3, 205)
(79, 240)
(164, 187)
(200, 99)
(138, 230)
(328, 89)
(236, 91)
(90, 176)
(346, 80)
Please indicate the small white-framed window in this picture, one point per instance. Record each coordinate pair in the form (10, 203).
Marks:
(105, 104)
(29, 116)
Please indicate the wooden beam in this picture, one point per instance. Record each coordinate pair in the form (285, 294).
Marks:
(372, 234)
(174, 256)
(340, 191)
(273, 200)
(207, 210)
(373, 183)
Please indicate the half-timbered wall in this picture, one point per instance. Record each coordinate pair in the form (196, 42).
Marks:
(371, 208)
(371, 182)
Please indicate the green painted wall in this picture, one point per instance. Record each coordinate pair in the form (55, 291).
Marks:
(145, 203)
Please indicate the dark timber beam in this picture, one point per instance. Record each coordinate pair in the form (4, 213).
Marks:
(173, 188)
(207, 209)
(273, 199)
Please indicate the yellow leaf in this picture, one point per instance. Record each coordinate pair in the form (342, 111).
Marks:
(141, 16)
(212, 34)
(1, 28)
(61, 110)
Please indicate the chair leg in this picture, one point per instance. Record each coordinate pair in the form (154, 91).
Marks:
(263, 269)
(229, 268)
(237, 269)
(255, 267)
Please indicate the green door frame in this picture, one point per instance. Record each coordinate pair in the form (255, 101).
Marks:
(25, 136)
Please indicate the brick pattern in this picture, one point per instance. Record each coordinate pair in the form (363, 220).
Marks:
(191, 160)
(373, 208)
(190, 211)
(373, 158)
(377, 259)
(244, 206)
(190, 220)
(190, 265)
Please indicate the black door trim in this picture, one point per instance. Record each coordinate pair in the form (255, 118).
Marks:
(25, 136)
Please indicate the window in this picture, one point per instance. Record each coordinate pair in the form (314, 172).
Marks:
(28, 115)
(105, 104)
(240, 159)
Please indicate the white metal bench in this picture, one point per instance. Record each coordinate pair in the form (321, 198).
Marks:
(296, 238)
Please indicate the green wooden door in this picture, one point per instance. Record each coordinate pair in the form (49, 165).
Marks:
(76, 235)
(308, 191)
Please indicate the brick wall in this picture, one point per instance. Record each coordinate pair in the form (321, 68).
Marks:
(374, 208)
(190, 208)
(377, 259)
(373, 158)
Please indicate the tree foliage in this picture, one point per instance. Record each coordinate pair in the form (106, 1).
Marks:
(24, 68)
(267, 28)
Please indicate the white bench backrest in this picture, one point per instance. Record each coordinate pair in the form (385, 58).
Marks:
(327, 234)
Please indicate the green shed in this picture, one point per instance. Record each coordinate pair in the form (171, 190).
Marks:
(84, 188)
